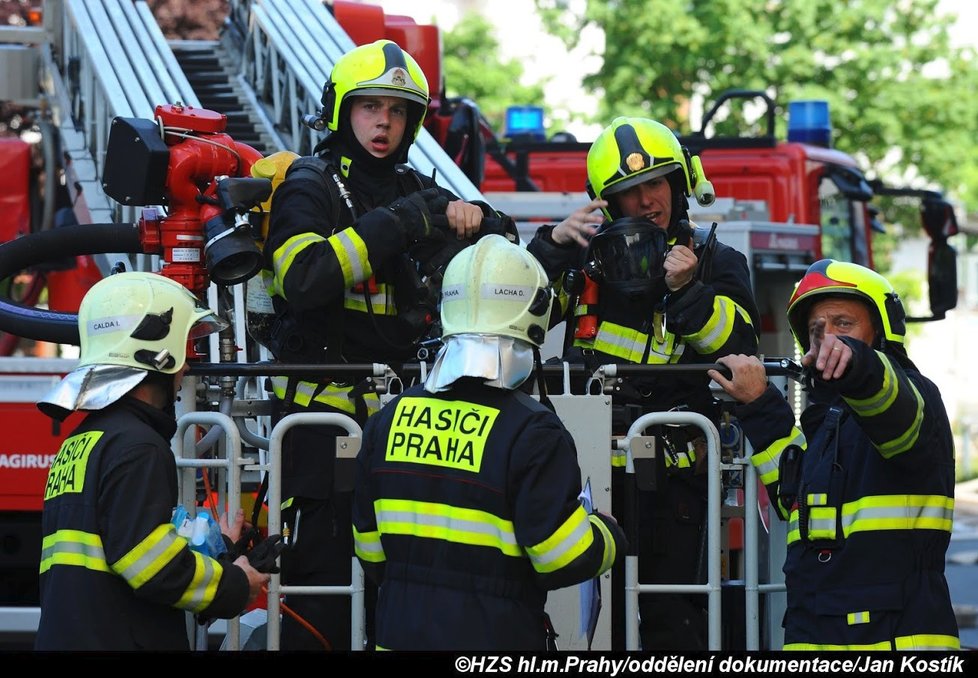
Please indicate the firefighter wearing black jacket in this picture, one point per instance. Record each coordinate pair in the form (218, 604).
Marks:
(349, 230)
(691, 305)
(114, 573)
(467, 502)
(867, 483)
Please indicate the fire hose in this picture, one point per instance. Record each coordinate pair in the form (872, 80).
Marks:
(17, 255)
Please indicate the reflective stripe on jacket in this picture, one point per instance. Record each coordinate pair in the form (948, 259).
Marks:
(467, 503)
(871, 518)
(114, 574)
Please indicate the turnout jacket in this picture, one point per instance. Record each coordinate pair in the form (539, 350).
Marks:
(709, 318)
(114, 574)
(321, 256)
(338, 278)
(867, 487)
(467, 511)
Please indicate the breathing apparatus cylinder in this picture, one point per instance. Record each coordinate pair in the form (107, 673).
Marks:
(273, 168)
(587, 323)
(259, 309)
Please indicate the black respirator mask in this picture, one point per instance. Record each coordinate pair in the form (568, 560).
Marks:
(626, 256)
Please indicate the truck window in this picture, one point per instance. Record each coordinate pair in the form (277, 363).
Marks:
(843, 224)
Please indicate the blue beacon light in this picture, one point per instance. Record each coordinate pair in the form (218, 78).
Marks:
(525, 122)
(808, 123)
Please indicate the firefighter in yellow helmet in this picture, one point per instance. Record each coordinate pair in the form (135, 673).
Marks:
(867, 482)
(466, 505)
(660, 291)
(114, 573)
(355, 240)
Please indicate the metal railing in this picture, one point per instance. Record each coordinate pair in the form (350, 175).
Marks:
(632, 443)
(356, 587)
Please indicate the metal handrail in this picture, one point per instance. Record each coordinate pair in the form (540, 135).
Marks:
(712, 586)
(356, 588)
(229, 491)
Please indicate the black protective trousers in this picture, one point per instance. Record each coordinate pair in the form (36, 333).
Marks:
(320, 551)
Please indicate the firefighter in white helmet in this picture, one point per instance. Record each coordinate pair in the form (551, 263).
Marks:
(466, 505)
(114, 574)
(867, 482)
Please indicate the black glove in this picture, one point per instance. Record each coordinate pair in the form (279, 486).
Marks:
(415, 213)
(262, 556)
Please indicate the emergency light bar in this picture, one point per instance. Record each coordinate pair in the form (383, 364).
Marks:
(808, 123)
(525, 122)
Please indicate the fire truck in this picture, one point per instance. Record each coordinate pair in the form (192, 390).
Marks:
(782, 203)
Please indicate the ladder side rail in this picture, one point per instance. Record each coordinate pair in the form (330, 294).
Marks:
(136, 56)
(171, 77)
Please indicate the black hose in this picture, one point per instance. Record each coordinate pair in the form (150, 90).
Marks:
(49, 144)
(30, 250)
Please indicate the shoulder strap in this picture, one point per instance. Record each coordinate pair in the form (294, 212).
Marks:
(315, 165)
(320, 168)
(409, 179)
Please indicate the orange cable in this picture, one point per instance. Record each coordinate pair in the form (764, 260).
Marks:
(306, 625)
(285, 608)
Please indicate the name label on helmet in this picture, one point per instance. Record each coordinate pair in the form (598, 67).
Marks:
(507, 292)
(110, 324)
(67, 474)
(451, 293)
(450, 434)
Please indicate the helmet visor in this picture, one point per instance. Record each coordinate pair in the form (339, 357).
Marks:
(630, 251)
(206, 325)
(398, 92)
(640, 178)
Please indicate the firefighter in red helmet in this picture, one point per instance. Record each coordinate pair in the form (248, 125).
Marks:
(867, 483)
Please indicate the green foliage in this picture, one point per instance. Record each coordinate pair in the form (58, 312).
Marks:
(473, 69)
(900, 217)
(909, 284)
(891, 78)
(965, 458)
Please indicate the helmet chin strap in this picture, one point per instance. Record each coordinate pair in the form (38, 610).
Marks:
(541, 382)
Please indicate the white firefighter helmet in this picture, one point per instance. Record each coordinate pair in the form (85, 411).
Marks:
(129, 324)
(495, 307)
(498, 288)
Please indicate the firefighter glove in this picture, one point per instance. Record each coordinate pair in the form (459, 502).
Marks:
(415, 213)
(262, 556)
